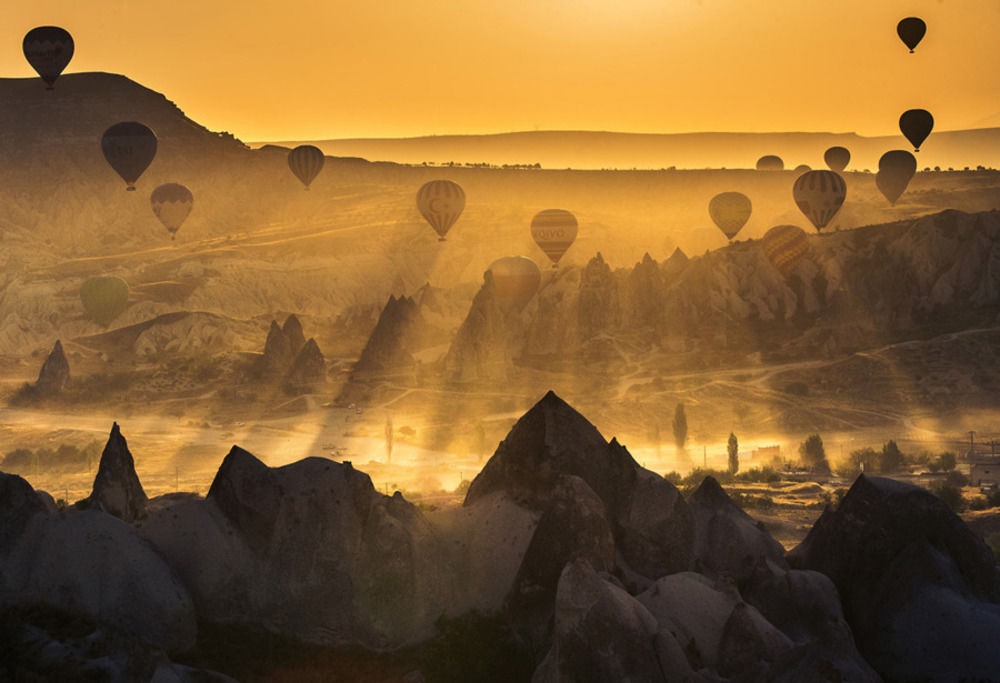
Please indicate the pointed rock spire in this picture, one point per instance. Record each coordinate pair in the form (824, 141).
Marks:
(117, 490)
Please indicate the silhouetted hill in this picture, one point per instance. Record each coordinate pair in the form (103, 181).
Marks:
(598, 149)
(85, 104)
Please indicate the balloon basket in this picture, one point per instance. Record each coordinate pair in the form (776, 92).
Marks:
(130, 188)
(441, 239)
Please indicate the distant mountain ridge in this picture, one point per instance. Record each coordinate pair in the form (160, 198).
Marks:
(601, 149)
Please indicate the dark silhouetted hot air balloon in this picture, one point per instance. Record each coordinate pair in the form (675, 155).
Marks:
(515, 281)
(911, 31)
(48, 49)
(895, 169)
(801, 168)
(837, 158)
(130, 148)
(172, 203)
(770, 163)
(785, 245)
(441, 202)
(916, 125)
(554, 230)
(819, 195)
(104, 298)
(730, 212)
(306, 161)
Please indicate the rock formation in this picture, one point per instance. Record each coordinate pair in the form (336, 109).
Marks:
(650, 520)
(487, 342)
(389, 346)
(920, 590)
(54, 374)
(309, 550)
(117, 490)
(292, 330)
(277, 352)
(308, 370)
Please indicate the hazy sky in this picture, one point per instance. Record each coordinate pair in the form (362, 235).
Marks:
(311, 69)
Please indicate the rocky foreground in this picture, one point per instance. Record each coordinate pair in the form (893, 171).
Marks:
(599, 569)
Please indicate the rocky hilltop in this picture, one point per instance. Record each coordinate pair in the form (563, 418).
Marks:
(854, 290)
(596, 568)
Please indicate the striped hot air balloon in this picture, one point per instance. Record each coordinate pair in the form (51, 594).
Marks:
(730, 211)
(441, 203)
(785, 246)
(130, 148)
(819, 195)
(515, 281)
(306, 161)
(48, 49)
(172, 204)
(554, 230)
(770, 163)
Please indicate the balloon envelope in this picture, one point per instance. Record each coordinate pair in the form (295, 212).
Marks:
(785, 246)
(554, 230)
(48, 49)
(306, 161)
(730, 212)
(104, 298)
(130, 148)
(172, 203)
(911, 31)
(916, 125)
(895, 169)
(837, 158)
(515, 281)
(441, 202)
(770, 163)
(819, 195)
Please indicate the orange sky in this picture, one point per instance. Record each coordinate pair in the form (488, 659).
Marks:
(313, 69)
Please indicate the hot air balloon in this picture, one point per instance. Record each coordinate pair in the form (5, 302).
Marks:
(129, 147)
(770, 163)
(801, 168)
(819, 195)
(785, 245)
(441, 202)
(554, 230)
(515, 281)
(916, 125)
(730, 212)
(48, 49)
(104, 298)
(837, 158)
(306, 161)
(911, 31)
(172, 203)
(895, 169)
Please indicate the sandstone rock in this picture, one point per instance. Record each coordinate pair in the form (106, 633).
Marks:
(573, 526)
(54, 374)
(292, 329)
(601, 633)
(308, 370)
(919, 589)
(727, 541)
(117, 490)
(649, 518)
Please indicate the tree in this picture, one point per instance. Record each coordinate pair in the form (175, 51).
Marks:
(858, 462)
(892, 459)
(388, 438)
(813, 455)
(734, 454)
(680, 426)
